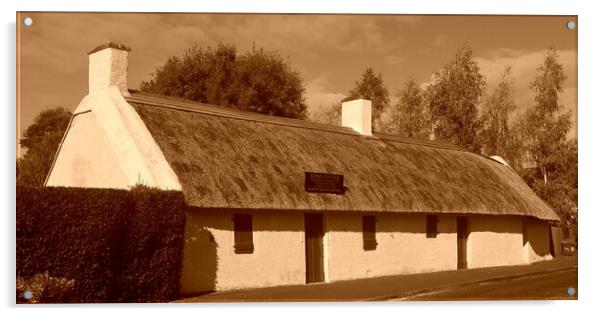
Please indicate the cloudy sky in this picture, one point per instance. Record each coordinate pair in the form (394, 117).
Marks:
(329, 51)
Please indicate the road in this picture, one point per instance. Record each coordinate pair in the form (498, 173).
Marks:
(553, 285)
(540, 280)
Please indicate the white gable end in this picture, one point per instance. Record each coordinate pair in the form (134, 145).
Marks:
(107, 145)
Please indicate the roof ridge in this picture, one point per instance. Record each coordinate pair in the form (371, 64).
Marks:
(204, 108)
(417, 141)
(181, 104)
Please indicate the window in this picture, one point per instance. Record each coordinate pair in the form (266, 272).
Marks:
(243, 233)
(431, 226)
(369, 232)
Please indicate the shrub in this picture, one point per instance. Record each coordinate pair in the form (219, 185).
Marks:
(43, 288)
(115, 245)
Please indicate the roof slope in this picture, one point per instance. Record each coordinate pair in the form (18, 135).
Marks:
(226, 158)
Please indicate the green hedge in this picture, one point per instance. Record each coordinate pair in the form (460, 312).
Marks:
(107, 245)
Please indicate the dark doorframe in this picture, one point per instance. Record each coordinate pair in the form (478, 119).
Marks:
(314, 251)
(462, 229)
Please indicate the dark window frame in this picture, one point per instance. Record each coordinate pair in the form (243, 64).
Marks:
(369, 232)
(243, 233)
(432, 226)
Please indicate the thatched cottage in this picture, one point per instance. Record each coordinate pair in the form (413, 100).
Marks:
(276, 201)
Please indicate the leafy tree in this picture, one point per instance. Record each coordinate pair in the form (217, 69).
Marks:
(41, 140)
(329, 115)
(265, 83)
(544, 125)
(496, 134)
(409, 115)
(371, 87)
(259, 81)
(453, 99)
(544, 129)
(560, 188)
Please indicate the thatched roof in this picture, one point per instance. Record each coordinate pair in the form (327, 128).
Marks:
(226, 158)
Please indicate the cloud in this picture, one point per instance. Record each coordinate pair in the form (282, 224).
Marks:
(431, 80)
(318, 93)
(394, 60)
(439, 40)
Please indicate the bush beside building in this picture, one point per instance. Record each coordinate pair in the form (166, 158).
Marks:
(102, 245)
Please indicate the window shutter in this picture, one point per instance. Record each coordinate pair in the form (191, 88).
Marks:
(369, 232)
(243, 233)
(431, 226)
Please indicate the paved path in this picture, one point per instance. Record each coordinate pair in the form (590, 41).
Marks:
(386, 288)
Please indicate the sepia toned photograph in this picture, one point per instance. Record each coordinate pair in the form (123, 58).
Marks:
(237, 157)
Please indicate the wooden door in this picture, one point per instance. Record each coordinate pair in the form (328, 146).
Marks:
(314, 253)
(462, 226)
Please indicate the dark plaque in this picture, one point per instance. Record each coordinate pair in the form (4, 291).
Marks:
(324, 183)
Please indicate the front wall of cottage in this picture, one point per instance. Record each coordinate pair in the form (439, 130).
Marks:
(403, 246)
(211, 264)
(495, 241)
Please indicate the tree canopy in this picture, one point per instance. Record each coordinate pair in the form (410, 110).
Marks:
(544, 128)
(41, 140)
(496, 135)
(328, 115)
(409, 116)
(453, 100)
(371, 87)
(545, 125)
(259, 80)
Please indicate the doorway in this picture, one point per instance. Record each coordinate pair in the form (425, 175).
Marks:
(462, 228)
(314, 251)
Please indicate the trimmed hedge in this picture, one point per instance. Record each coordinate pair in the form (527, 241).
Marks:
(115, 245)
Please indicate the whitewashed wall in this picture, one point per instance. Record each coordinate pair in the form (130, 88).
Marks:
(86, 157)
(538, 245)
(108, 135)
(495, 241)
(402, 246)
(278, 257)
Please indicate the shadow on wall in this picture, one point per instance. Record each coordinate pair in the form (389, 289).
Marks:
(539, 237)
(387, 222)
(200, 262)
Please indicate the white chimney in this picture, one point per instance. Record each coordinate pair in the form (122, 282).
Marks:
(108, 66)
(357, 115)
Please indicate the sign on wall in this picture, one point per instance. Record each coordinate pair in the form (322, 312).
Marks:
(324, 183)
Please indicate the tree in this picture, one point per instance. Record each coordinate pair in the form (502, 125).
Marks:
(409, 115)
(453, 99)
(544, 128)
(329, 115)
(560, 188)
(544, 125)
(371, 87)
(496, 134)
(265, 83)
(41, 140)
(259, 80)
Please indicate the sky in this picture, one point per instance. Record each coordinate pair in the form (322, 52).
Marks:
(329, 51)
